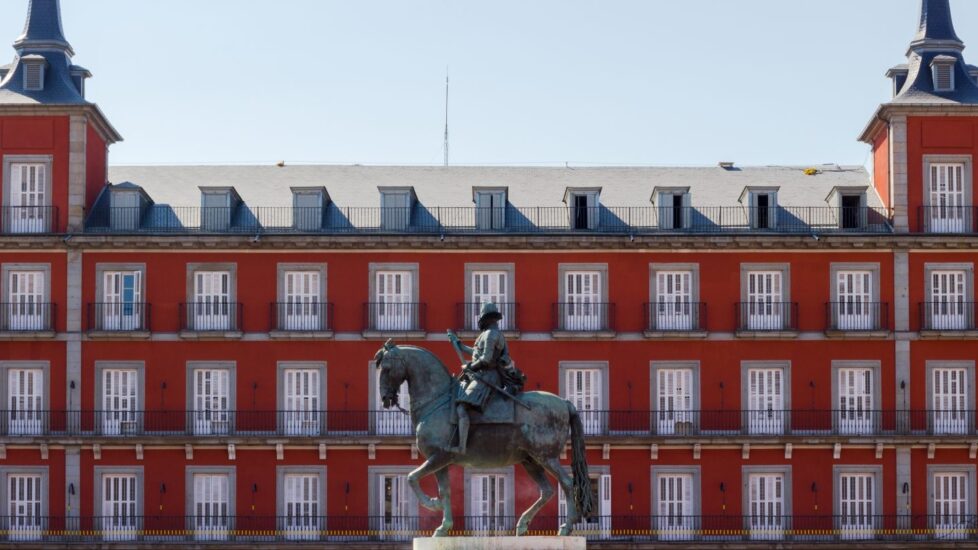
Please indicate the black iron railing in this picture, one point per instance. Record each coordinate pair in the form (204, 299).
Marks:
(212, 316)
(27, 316)
(675, 316)
(948, 220)
(119, 317)
(302, 316)
(855, 316)
(395, 317)
(764, 316)
(468, 316)
(948, 316)
(26, 220)
(584, 317)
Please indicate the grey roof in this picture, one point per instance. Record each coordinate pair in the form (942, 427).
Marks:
(357, 186)
(43, 35)
(936, 23)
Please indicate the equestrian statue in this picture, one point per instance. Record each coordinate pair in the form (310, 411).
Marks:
(483, 419)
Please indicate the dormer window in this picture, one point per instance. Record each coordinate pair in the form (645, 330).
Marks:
(762, 206)
(395, 207)
(217, 207)
(943, 71)
(309, 207)
(673, 207)
(490, 208)
(33, 72)
(583, 207)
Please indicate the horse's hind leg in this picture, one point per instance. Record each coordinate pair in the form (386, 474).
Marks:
(546, 493)
(445, 501)
(553, 466)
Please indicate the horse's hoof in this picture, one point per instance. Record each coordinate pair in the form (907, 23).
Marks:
(522, 529)
(442, 531)
(565, 530)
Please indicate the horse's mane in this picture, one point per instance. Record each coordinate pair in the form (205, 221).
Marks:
(428, 353)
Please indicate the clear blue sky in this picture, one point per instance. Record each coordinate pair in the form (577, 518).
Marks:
(684, 82)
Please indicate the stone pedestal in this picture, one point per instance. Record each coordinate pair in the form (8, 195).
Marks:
(501, 543)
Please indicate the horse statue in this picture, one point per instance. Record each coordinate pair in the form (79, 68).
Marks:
(535, 439)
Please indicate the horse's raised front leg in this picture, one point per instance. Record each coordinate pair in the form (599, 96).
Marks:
(445, 501)
(567, 484)
(538, 474)
(434, 463)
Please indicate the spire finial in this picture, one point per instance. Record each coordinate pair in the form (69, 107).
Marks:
(43, 28)
(936, 31)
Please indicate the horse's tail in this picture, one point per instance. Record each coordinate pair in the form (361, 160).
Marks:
(582, 481)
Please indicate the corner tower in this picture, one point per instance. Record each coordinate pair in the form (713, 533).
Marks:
(924, 137)
(53, 141)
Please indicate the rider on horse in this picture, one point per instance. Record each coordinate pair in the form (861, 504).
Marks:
(491, 366)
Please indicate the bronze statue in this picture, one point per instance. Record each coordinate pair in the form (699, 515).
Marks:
(534, 433)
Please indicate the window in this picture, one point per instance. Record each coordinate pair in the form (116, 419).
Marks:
(27, 195)
(600, 520)
(34, 75)
(947, 194)
(583, 208)
(766, 390)
(393, 502)
(390, 421)
(942, 69)
(26, 296)
(24, 492)
(212, 289)
(395, 208)
(491, 498)
(675, 297)
(583, 291)
(676, 501)
(855, 395)
(762, 207)
(857, 501)
(120, 306)
(766, 296)
(951, 397)
(853, 212)
(302, 298)
(951, 490)
(949, 305)
(210, 502)
(302, 501)
(585, 386)
(210, 391)
(26, 393)
(675, 398)
(119, 397)
(490, 206)
(490, 283)
(218, 205)
(302, 398)
(125, 208)
(119, 502)
(308, 205)
(767, 501)
(855, 298)
(673, 208)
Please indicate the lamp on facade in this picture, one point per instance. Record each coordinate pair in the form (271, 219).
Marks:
(815, 495)
(723, 489)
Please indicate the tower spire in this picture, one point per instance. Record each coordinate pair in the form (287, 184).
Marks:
(936, 30)
(43, 30)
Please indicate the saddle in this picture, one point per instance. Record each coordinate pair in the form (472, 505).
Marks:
(498, 410)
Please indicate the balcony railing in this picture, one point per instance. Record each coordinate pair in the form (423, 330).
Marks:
(468, 317)
(948, 219)
(213, 316)
(27, 220)
(460, 220)
(856, 316)
(764, 316)
(675, 317)
(195, 529)
(949, 316)
(27, 317)
(584, 317)
(394, 317)
(119, 317)
(302, 316)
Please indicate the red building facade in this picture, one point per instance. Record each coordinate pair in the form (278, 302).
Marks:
(761, 354)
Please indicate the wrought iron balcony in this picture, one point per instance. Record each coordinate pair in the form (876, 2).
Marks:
(28, 220)
(764, 316)
(302, 316)
(212, 316)
(468, 317)
(420, 219)
(27, 317)
(119, 317)
(395, 317)
(850, 528)
(675, 317)
(584, 317)
(948, 220)
(855, 316)
(947, 316)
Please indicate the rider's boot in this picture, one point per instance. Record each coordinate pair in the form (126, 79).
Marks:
(463, 430)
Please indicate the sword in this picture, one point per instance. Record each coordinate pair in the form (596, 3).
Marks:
(479, 377)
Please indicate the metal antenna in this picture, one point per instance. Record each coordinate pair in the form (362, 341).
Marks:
(446, 116)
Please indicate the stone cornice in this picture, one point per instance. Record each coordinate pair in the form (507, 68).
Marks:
(92, 111)
(886, 110)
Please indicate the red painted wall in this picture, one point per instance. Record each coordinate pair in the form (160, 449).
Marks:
(41, 136)
(935, 136)
(881, 167)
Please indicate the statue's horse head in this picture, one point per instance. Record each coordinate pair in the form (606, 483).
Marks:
(393, 372)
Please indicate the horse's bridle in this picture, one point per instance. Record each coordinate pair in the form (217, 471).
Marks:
(397, 403)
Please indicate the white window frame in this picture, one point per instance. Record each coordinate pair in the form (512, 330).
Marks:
(301, 316)
(411, 312)
(663, 198)
(120, 423)
(953, 530)
(850, 316)
(102, 270)
(479, 522)
(968, 313)
(25, 531)
(764, 322)
(210, 421)
(752, 194)
(507, 307)
(490, 217)
(194, 317)
(595, 421)
(38, 224)
(396, 218)
(682, 526)
(861, 530)
(959, 219)
(951, 422)
(675, 315)
(301, 422)
(31, 423)
(221, 532)
(43, 317)
(854, 422)
(786, 502)
(400, 526)
(307, 526)
(601, 516)
(682, 420)
(760, 422)
(595, 318)
(128, 528)
(593, 197)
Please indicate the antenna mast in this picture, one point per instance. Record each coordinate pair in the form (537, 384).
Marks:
(446, 116)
